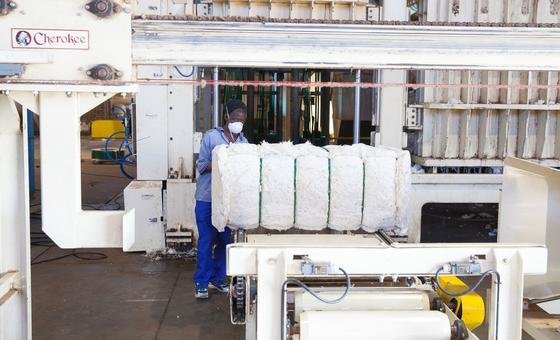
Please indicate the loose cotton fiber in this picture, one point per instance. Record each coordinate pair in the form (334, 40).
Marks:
(239, 184)
(277, 186)
(312, 187)
(346, 187)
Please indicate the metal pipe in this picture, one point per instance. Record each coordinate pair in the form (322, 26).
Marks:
(385, 237)
(357, 107)
(377, 97)
(31, 149)
(216, 102)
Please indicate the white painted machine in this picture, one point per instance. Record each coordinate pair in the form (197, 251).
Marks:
(269, 271)
(458, 96)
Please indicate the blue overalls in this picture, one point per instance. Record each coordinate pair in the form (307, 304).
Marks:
(211, 250)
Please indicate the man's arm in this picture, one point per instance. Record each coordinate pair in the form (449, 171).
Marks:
(204, 162)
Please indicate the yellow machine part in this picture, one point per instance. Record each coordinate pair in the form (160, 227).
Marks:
(468, 307)
(103, 128)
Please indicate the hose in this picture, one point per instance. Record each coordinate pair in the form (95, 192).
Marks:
(107, 144)
(125, 143)
(182, 74)
(123, 111)
(469, 290)
(310, 291)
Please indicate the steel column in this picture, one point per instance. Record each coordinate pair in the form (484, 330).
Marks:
(356, 139)
(15, 266)
(216, 103)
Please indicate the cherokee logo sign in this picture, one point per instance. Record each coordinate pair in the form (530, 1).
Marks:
(23, 38)
(50, 39)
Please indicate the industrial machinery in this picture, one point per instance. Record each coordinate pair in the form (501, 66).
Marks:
(460, 84)
(364, 286)
(271, 296)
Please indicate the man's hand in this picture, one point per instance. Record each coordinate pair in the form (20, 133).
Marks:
(209, 167)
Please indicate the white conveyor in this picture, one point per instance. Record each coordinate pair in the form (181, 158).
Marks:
(362, 325)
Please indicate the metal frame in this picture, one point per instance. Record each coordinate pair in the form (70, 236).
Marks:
(530, 197)
(15, 266)
(271, 259)
(485, 125)
(55, 86)
(446, 188)
(339, 46)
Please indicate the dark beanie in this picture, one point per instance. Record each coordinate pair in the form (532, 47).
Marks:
(234, 104)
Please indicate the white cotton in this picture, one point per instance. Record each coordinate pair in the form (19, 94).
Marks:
(346, 150)
(379, 194)
(283, 148)
(308, 149)
(220, 192)
(346, 192)
(404, 189)
(312, 187)
(244, 149)
(367, 151)
(244, 196)
(277, 186)
(244, 169)
(237, 180)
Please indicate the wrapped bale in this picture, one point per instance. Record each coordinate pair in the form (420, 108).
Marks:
(220, 190)
(254, 185)
(387, 189)
(312, 187)
(235, 186)
(346, 187)
(403, 190)
(380, 193)
(277, 185)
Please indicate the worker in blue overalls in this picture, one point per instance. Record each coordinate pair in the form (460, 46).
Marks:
(211, 257)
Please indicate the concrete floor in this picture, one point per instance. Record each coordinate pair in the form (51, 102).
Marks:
(126, 295)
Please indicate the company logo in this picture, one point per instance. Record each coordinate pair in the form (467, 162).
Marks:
(23, 38)
(50, 39)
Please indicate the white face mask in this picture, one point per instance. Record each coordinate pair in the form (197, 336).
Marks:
(235, 127)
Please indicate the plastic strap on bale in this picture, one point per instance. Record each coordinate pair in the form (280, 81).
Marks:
(363, 189)
(260, 191)
(329, 195)
(295, 189)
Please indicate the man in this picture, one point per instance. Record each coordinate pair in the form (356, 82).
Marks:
(211, 257)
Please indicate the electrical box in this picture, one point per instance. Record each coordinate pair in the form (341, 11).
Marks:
(151, 132)
(413, 118)
(164, 137)
(143, 221)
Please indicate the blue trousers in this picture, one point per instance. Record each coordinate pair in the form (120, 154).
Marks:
(211, 257)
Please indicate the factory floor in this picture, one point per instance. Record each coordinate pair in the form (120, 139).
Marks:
(126, 296)
(123, 296)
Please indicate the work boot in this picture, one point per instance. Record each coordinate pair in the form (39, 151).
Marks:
(219, 286)
(200, 291)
